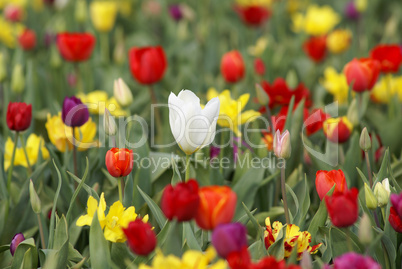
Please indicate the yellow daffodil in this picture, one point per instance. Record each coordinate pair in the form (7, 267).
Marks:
(20, 3)
(9, 32)
(92, 207)
(293, 237)
(97, 101)
(316, 21)
(246, 3)
(336, 84)
(61, 135)
(339, 40)
(387, 88)
(259, 47)
(103, 15)
(191, 259)
(230, 114)
(34, 145)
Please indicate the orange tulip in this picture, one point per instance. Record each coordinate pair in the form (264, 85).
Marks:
(217, 206)
(325, 180)
(232, 66)
(363, 73)
(119, 162)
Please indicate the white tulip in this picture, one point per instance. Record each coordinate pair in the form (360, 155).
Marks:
(122, 93)
(192, 127)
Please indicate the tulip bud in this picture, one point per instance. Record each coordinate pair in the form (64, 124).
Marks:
(35, 201)
(17, 239)
(262, 96)
(122, 93)
(3, 69)
(119, 162)
(365, 140)
(382, 192)
(282, 147)
(55, 59)
(74, 113)
(291, 79)
(365, 232)
(371, 201)
(109, 123)
(140, 236)
(229, 238)
(353, 113)
(81, 11)
(306, 262)
(17, 79)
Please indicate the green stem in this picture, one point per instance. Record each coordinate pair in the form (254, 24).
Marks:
(42, 237)
(74, 153)
(157, 116)
(285, 201)
(348, 240)
(187, 167)
(26, 154)
(104, 42)
(366, 155)
(120, 186)
(271, 126)
(10, 169)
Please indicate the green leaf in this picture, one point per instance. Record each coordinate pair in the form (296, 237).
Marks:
(296, 201)
(257, 250)
(352, 159)
(362, 176)
(277, 249)
(157, 159)
(339, 241)
(156, 211)
(318, 220)
(98, 247)
(176, 173)
(88, 189)
(189, 237)
(27, 261)
(20, 252)
(52, 218)
(253, 221)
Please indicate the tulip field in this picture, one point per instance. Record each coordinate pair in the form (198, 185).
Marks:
(232, 134)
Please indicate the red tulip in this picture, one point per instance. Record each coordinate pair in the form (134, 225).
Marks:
(280, 94)
(239, 259)
(148, 64)
(315, 121)
(253, 15)
(19, 116)
(316, 48)
(259, 66)
(217, 206)
(363, 73)
(232, 66)
(13, 13)
(389, 56)
(181, 201)
(325, 180)
(343, 208)
(119, 162)
(27, 39)
(272, 263)
(75, 47)
(140, 237)
(337, 130)
(395, 220)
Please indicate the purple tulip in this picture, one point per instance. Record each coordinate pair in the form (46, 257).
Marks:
(214, 152)
(74, 112)
(175, 12)
(353, 260)
(17, 239)
(396, 200)
(351, 11)
(229, 238)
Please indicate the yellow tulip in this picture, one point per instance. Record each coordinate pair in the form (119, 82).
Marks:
(259, 47)
(103, 15)
(386, 89)
(339, 41)
(266, 3)
(34, 144)
(97, 101)
(335, 83)
(316, 21)
(61, 135)
(9, 32)
(231, 112)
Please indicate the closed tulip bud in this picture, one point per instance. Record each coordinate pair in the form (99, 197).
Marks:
(17, 79)
(316, 48)
(27, 40)
(3, 69)
(81, 11)
(229, 238)
(262, 96)
(103, 15)
(365, 140)
(382, 192)
(325, 180)
(147, 64)
(35, 201)
(339, 41)
(343, 208)
(217, 206)
(140, 237)
(74, 113)
(75, 47)
(179, 202)
(365, 230)
(306, 262)
(192, 127)
(282, 147)
(353, 113)
(17, 239)
(122, 93)
(109, 123)
(362, 74)
(395, 220)
(259, 66)
(371, 201)
(19, 116)
(337, 130)
(119, 162)
(291, 79)
(232, 66)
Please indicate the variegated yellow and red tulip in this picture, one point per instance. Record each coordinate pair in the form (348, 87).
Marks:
(338, 130)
